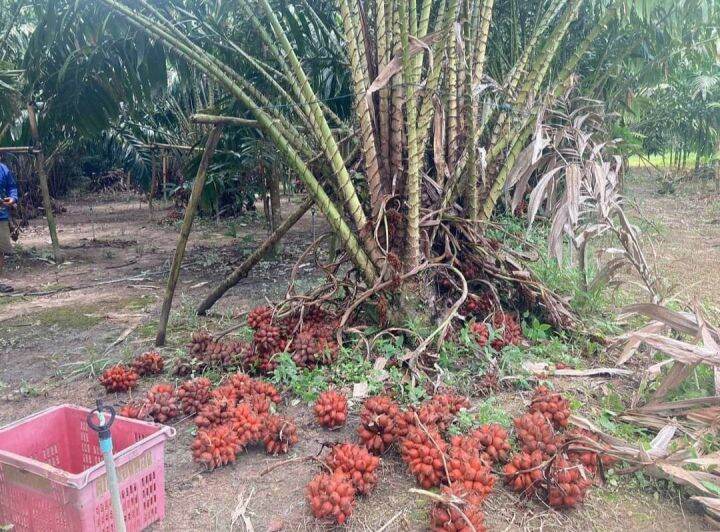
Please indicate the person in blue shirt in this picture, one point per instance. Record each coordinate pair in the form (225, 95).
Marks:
(8, 198)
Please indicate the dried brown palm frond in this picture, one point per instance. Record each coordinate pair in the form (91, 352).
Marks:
(569, 175)
(695, 342)
(669, 458)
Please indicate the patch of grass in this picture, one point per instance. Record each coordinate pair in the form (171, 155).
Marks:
(655, 228)
(486, 412)
(407, 390)
(626, 431)
(186, 317)
(304, 383)
(558, 350)
(6, 300)
(29, 390)
(353, 368)
(661, 160)
(76, 318)
(138, 303)
(147, 330)
(700, 383)
(462, 360)
(389, 348)
(245, 333)
(92, 366)
(567, 280)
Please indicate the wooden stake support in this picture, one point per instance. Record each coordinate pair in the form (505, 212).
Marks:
(165, 174)
(42, 175)
(161, 146)
(190, 211)
(29, 150)
(242, 271)
(223, 120)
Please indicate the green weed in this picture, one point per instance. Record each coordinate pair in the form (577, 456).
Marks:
(486, 412)
(406, 389)
(78, 317)
(353, 368)
(700, 383)
(304, 383)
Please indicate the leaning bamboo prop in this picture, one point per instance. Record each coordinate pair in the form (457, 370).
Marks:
(222, 120)
(254, 258)
(190, 211)
(43, 178)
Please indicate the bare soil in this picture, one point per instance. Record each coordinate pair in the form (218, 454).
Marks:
(682, 233)
(54, 340)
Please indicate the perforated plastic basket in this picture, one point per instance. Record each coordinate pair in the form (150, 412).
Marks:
(52, 474)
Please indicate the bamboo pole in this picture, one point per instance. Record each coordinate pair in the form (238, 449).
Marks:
(153, 182)
(165, 174)
(4, 130)
(190, 211)
(18, 149)
(242, 271)
(163, 146)
(42, 176)
(717, 167)
(223, 120)
(275, 209)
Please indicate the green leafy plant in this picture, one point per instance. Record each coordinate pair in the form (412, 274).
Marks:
(302, 382)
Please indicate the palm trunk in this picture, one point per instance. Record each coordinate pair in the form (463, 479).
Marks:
(502, 132)
(397, 177)
(190, 211)
(384, 43)
(499, 183)
(327, 141)
(471, 186)
(359, 66)
(412, 186)
(435, 78)
(482, 35)
(452, 103)
(511, 135)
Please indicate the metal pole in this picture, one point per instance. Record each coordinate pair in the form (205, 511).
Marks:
(106, 447)
(113, 484)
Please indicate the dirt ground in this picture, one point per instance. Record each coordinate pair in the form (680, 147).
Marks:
(682, 235)
(100, 306)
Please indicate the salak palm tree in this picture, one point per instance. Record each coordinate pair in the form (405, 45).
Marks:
(435, 136)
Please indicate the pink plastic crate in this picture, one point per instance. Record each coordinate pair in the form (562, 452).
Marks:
(52, 475)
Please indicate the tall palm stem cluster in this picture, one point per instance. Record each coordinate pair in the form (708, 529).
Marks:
(429, 148)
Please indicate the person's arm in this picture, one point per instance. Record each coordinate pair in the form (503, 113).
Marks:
(12, 187)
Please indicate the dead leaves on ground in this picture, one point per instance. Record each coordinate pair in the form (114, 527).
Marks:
(687, 340)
